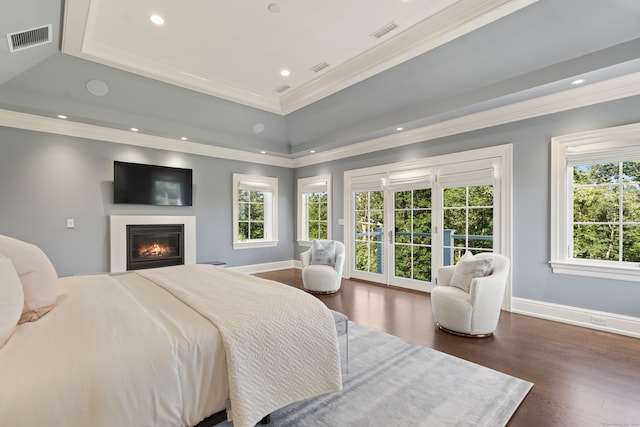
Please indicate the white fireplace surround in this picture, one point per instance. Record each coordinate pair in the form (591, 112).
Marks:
(118, 236)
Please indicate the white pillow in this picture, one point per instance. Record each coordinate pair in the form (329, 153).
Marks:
(11, 299)
(323, 254)
(468, 268)
(37, 275)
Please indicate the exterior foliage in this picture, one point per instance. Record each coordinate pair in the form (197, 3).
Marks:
(250, 215)
(317, 218)
(606, 212)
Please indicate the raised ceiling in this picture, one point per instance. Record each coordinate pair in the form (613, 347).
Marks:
(236, 49)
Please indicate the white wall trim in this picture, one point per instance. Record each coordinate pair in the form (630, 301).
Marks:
(605, 91)
(56, 126)
(592, 319)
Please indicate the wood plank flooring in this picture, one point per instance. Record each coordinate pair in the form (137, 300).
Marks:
(581, 377)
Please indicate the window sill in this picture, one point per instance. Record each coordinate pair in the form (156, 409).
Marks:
(252, 244)
(603, 271)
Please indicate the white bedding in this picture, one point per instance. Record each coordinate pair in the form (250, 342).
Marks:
(167, 347)
(289, 354)
(77, 367)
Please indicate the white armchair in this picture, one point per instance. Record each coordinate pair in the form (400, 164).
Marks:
(474, 313)
(324, 277)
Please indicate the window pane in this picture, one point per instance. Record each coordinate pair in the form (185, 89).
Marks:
(422, 198)
(630, 246)
(481, 195)
(403, 199)
(422, 263)
(596, 174)
(243, 230)
(455, 197)
(257, 196)
(257, 230)
(313, 211)
(377, 200)
(244, 195)
(422, 227)
(455, 219)
(313, 230)
(322, 233)
(322, 214)
(375, 255)
(599, 242)
(596, 204)
(403, 261)
(481, 221)
(403, 227)
(243, 211)
(256, 211)
(362, 256)
(631, 204)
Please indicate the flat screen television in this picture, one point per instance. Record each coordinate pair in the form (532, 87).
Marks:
(140, 184)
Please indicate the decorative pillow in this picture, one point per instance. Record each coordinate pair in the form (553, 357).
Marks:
(37, 275)
(323, 254)
(11, 299)
(468, 268)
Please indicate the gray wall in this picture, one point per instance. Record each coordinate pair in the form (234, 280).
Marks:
(45, 179)
(532, 276)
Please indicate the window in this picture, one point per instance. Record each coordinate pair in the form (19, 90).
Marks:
(314, 208)
(596, 203)
(255, 201)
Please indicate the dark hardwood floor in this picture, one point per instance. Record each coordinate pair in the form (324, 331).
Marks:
(581, 377)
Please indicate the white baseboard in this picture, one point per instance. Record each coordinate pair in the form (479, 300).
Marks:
(599, 320)
(269, 266)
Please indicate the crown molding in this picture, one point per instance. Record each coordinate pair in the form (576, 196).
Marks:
(450, 23)
(596, 93)
(37, 123)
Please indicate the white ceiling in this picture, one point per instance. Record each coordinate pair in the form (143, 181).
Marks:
(235, 49)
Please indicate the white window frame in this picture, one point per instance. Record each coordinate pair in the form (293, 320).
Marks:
(269, 186)
(592, 144)
(314, 184)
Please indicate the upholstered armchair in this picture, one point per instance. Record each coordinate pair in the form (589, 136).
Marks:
(468, 297)
(322, 266)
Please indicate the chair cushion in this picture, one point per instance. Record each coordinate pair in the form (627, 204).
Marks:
(11, 299)
(468, 268)
(323, 254)
(37, 275)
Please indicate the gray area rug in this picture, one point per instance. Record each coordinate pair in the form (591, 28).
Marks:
(392, 383)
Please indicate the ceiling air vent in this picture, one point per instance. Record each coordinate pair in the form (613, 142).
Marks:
(319, 67)
(29, 38)
(384, 30)
(282, 88)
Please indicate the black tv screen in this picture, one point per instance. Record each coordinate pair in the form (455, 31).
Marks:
(139, 184)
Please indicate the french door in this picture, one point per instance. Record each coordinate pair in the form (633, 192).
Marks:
(403, 230)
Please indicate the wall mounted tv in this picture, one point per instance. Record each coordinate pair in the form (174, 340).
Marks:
(139, 184)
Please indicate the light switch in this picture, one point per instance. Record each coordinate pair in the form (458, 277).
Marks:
(71, 223)
(341, 221)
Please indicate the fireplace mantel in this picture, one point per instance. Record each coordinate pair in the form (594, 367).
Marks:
(118, 236)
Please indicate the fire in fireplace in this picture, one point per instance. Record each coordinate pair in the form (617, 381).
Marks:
(154, 245)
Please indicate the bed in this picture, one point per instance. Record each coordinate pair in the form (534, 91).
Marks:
(165, 347)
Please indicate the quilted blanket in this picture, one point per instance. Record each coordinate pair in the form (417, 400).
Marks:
(280, 342)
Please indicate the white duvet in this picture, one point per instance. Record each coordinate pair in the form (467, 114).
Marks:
(103, 358)
(167, 347)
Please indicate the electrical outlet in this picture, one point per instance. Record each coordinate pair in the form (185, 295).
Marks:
(599, 320)
(71, 223)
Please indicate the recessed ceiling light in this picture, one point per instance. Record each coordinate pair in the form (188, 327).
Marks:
(134, 129)
(273, 8)
(263, 152)
(577, 82)
(284, 73)
(184, 138)
(157, 19)
(312, 151)
(399, 129)
(62, 116)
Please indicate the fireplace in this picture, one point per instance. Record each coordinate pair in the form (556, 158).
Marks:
(154, 245)
(119, 239)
